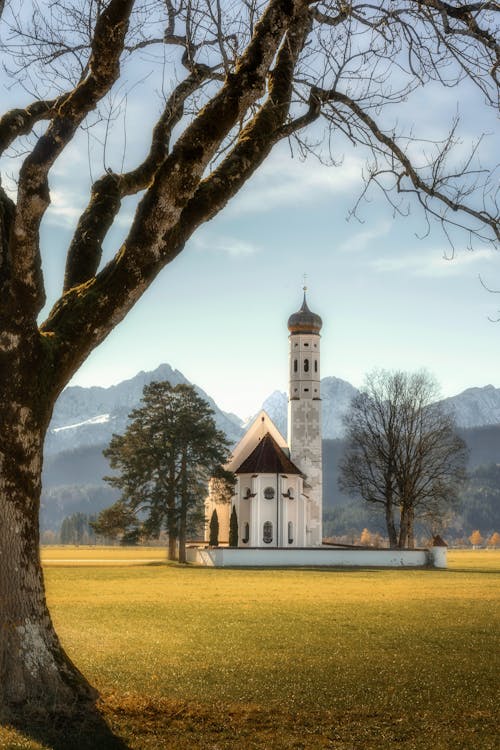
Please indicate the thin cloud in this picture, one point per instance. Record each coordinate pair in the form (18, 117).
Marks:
(433, 263)
(232, 246)
(363, 239)
(65, 208)
(284, 181)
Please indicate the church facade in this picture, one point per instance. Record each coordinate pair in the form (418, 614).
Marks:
(278, 491)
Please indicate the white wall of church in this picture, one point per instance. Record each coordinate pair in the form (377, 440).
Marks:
(223, 508)
(319, 556)
(274, 508)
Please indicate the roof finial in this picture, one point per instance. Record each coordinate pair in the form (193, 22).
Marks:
(304, 286)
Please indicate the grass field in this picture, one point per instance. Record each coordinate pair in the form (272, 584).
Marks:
(348, 660)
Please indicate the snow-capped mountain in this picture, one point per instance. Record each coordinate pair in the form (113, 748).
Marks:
(89, 416)
(276, 405)
(476, 407)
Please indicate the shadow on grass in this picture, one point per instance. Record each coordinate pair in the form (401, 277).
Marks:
(473, 571)
(87, 731)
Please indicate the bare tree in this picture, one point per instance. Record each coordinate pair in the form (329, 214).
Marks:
(403, 453)
(253, 74)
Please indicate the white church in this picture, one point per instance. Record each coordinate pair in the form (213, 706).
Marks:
(278, 495)
(278, 492)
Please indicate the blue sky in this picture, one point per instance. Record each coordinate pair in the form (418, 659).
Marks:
(388, 299)
(218, 313)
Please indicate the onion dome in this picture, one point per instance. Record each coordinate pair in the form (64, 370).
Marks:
(304, 321)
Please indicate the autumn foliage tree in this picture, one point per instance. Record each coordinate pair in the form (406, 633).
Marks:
(494, 540)
(235, 79)
(476, 538)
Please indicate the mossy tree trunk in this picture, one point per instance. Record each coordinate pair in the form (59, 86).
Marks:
(34, 668)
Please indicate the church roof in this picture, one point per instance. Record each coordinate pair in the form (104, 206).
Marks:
(267, 458)
(261, 425)
(304, 321)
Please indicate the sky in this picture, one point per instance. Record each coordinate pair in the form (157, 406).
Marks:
(218, 313)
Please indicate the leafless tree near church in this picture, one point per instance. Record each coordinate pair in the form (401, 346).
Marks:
(403, 453)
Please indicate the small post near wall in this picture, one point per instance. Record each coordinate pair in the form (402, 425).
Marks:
(438, 552)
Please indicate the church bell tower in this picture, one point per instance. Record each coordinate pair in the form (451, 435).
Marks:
(304, 413)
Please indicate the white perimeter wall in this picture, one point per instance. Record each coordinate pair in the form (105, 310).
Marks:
(222, 557)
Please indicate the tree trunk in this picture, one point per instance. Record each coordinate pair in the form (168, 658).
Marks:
(391, 527)
(34, 670)
(172, 520)
(182, 531)
(172, 544)
(403, 528)
(183, 508)
(410, 537)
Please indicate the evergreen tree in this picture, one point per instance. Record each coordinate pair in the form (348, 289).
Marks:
(163, 462)
(214, 529)
(117, 522)
(233, 528)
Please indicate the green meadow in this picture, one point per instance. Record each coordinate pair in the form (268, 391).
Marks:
(345, 659)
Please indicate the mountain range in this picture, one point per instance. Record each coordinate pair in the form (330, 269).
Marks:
(89, 416)
(84, 420)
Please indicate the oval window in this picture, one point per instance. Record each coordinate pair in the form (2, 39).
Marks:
(269, 493)
(267, 533)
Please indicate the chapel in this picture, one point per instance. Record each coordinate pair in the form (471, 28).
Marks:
(278, 492)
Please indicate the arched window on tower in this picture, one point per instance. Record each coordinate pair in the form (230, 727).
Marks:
(246, 535)
(295, 365)
(315, 365)
(306, 365)
(267, 536)
(290, 532)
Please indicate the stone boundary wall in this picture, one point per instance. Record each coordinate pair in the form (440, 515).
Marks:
(225, 557)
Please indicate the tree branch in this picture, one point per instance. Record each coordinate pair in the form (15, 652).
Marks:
(147, 249)
(7, 211)
(84, 254)
(408, 170)
(33, 191)
(19, 122)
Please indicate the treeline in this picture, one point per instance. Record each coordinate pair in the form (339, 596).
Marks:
(66, 500)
